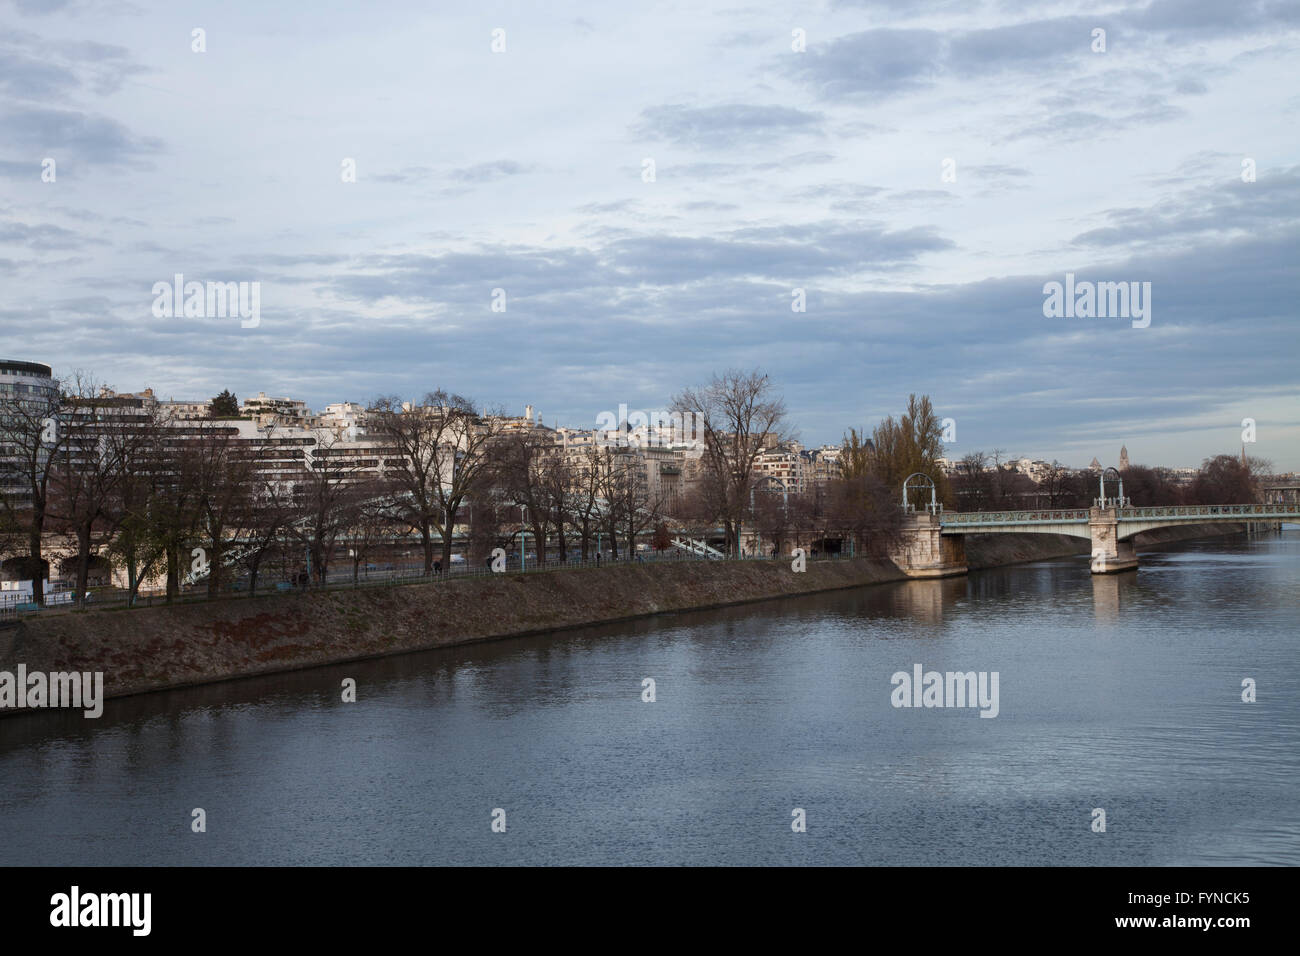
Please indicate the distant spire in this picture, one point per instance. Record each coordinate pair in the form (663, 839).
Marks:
(1243, 455)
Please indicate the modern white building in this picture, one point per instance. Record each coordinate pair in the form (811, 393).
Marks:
(21, 381)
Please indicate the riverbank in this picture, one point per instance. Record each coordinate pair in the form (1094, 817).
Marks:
(161, 648)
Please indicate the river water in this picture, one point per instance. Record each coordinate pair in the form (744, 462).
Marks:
(1122, 694)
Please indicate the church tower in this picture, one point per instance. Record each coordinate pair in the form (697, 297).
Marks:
(1123, 458)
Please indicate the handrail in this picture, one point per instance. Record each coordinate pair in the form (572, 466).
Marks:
(1053, 515)
(1008, 517)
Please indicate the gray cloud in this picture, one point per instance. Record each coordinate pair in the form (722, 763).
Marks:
(24, 77)
(889, 61)
(81, 137)
(815, 170)
(411, 174)
(1269, 206)
(41, 237)
(489, 172)
(41, 7)
(873, 61)
(734, 125)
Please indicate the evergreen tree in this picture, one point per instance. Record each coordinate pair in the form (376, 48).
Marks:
(224, 405)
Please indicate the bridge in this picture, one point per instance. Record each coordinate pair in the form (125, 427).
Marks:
(932, 545)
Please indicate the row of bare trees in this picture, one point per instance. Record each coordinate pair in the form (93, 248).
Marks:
(985, 482)
(190, 501)
(196, 500)
(160, 497)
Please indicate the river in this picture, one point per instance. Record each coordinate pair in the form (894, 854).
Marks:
(1119, 693)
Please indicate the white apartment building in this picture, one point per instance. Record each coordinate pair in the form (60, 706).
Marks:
(267, 410)
(347, 420)
(784, 464)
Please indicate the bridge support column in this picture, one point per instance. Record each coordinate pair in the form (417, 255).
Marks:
(923, 552)
(1109, 554)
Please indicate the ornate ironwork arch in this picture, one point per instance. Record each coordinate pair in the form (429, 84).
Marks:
(925, 482)
(1119, 501)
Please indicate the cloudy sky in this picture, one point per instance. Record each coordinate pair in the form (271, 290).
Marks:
(774, 169)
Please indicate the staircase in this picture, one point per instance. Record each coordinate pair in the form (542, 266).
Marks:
(696, 547)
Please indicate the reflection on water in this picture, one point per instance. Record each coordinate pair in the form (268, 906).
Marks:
(924, 601)
(1118, 691)
(1107, 592)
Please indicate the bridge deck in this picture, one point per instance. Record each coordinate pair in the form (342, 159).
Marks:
(1184, 514)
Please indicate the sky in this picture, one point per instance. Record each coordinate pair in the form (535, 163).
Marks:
(919, 170)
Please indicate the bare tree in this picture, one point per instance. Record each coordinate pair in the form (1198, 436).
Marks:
(224, 472)
(322, 493)
(768, 516)
(104, 433)
(740, 416)
(610, 479)
(585, 475)
(1056, 485)
(267, 514)
(863, 509)
(637, 507)
(33, 431)
(173, 506)
(365, 522)
(521, 471)
(445, 449)
(144, 465)
(561, 494)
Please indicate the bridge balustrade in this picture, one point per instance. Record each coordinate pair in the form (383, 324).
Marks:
(1129, 513)
(1007, 517)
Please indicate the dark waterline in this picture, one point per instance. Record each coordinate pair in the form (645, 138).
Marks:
(1120, 692)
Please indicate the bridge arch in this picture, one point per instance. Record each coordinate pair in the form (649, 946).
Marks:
(776, 478)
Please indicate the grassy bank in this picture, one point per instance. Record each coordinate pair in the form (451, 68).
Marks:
(165, 647)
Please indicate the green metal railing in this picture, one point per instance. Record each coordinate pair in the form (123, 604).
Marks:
(1259, 512)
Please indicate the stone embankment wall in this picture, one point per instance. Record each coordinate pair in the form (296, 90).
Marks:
(163, 647)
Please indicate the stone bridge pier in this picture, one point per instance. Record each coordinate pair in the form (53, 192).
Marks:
(1109, 554)
(923, 552)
